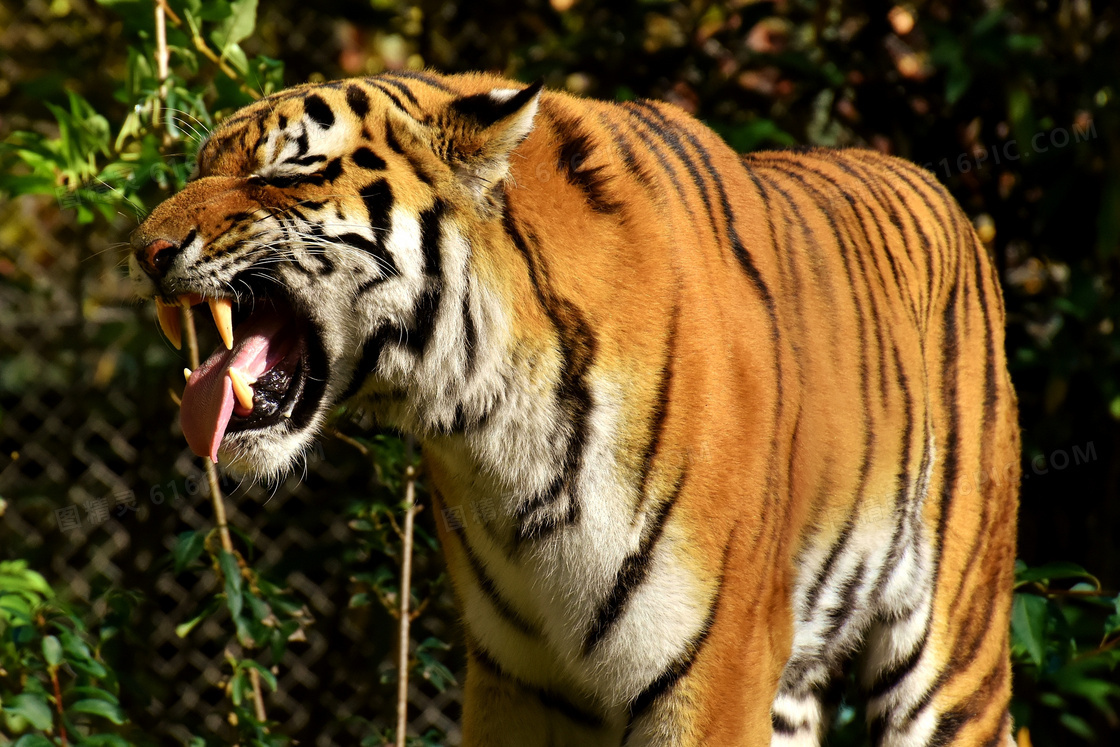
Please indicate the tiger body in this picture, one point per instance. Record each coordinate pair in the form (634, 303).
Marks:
(701, 428)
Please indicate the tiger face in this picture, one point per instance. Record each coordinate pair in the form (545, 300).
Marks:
(311, 253)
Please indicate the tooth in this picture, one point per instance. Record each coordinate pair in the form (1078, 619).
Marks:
(170, 323)
(241, 388)
(187, 374)
(222, 309)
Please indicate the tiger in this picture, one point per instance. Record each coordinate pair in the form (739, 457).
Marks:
(705, 433)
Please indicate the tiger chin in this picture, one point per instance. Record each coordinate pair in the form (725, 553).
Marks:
(705, 431)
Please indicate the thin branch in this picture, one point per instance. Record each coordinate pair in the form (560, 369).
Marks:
(218, 500)
(258, 699)
(58, 705)
(162, 57)
(211, 471)
(405, 618)
(347, 439)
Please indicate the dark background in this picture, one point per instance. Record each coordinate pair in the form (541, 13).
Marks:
(952, 85)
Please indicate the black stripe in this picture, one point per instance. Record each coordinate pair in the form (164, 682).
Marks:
(425, 78)
(391, 96)
(551, 700)
(631, 575)
(371, 353)
(305, 160)
(489, 590)
(903, 479)
(424, 320)
(649, 146)
(668, 135)
(431, 238)
(318, 111)
(814, 592)
(367, 159)
(740, 251)
(470, 335)
(948, 724)
(575, 150)
(385, 264)
(781, 725)
(840, 614)
(402, 88)
(358, 101)
(333, 170)
(577, 349)
(378, 199)
(889, 679)
(427, 308)
(680, 667)
(391, 138)
(287, 181)
(661, 406)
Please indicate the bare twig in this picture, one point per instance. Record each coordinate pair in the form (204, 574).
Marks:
(162, 57)
(405, 617)
(218, 501)
(347, 439)
(58, 706)
(258, 699)
(211, 471)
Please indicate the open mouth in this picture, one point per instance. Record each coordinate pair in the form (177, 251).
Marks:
(269, 370)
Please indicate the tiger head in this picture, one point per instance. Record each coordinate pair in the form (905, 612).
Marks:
(321, 224)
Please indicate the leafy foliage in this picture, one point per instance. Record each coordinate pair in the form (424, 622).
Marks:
(53, 681)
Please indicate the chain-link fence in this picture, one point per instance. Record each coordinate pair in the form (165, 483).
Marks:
(98, 484)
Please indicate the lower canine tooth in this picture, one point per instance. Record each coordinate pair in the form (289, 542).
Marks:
(241, 388)
(170, 322)
(187, 374)
(222, 309)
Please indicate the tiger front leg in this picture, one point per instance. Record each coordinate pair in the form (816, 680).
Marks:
(500, 711)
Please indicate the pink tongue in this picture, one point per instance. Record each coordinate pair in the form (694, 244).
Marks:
(208, 400)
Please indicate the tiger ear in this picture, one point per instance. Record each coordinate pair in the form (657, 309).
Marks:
(482, 130)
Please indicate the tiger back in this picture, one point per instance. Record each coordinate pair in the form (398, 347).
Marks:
(704, 431)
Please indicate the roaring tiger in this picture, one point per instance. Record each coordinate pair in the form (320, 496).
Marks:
(702, 429)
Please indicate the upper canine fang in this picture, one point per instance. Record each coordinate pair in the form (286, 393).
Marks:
(170, 322)
(222, 309)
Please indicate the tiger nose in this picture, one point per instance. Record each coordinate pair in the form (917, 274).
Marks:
(155, 257)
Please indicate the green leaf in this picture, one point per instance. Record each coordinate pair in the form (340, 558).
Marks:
(269, 677)
(94, 692)
(100, 708)
(238, 684)
(105, 740)
(957, 80)
(33, 740)
(1028, 626)
(52, 650)
(237, 26)
(183, 629)
(430, 668)
(33, 708)
(188, 547)
(232, 573)
(16, 576)
(1051, 571)
(1078, 726)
